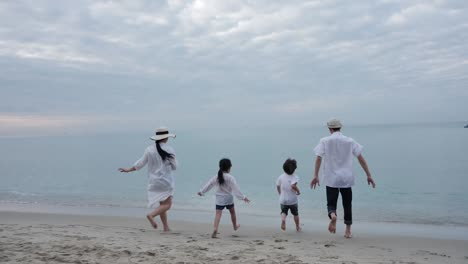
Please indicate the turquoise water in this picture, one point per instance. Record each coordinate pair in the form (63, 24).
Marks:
(420, 170)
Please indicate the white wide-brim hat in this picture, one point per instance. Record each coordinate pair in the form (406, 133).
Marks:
(162, 133)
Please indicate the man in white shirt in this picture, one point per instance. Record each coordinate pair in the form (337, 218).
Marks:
(335, 155)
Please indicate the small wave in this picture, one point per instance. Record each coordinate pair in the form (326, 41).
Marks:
(18, 193)
(16, 202)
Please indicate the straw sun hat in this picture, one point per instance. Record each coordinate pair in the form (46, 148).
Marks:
(162, 133)
(334, 123)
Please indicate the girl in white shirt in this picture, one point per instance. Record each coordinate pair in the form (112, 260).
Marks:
(286, 185)
(226, 186)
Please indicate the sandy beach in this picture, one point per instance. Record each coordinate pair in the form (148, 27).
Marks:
(54, 238)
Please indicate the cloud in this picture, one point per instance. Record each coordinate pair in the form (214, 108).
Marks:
(61, 53)
(251, 60)
(412, 12)
(20, 125)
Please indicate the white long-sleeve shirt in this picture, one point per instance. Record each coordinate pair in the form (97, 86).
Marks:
(160, 173)
(224, 192)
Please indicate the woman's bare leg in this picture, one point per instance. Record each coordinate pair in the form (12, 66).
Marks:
(162, 209)
(163, 216)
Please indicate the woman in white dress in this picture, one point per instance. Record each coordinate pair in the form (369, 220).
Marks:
(161, 160)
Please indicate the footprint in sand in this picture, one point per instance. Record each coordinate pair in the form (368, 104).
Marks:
(201, 248)
(170, 232)
(259, 242)
(281, 240)
(433, 253)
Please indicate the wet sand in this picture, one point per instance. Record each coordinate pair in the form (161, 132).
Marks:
(53, 238)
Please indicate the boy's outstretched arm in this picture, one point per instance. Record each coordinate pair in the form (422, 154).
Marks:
(364, 166)
(296, 189)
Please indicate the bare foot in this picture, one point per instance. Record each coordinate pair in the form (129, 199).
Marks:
(167, 229)
(236, 227)
(298, 229)
(332, 225)
(348, 234)
(152, 222)
(283, 225)
(214, 234)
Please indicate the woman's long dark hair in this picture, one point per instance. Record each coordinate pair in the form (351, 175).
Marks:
(224, 166)
(164, 154)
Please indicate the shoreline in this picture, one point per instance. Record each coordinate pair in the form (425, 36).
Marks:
(43, 238)
(205, 218)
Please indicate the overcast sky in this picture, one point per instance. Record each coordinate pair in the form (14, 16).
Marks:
(115, 65)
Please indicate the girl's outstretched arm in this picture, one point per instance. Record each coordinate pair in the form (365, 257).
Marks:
(236, 191)
(208, 186)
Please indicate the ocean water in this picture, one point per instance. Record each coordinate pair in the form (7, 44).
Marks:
(421, 171)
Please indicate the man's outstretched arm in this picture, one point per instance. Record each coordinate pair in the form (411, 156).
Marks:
(315, 180)
(364, 166)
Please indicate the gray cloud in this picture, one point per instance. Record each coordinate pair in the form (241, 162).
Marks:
(252, 61)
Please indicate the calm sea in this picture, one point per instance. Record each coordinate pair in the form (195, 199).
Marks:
(421, 171)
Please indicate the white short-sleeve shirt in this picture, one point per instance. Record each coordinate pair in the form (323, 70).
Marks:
(337, 152)
(287, 196)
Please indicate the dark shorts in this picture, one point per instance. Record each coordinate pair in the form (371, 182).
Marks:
(292, 207)
(221, 207)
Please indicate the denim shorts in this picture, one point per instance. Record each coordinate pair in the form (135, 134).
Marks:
(221, 207)
(292, 207)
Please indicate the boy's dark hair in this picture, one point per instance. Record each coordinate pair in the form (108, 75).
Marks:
(336, 129)
(289, 166)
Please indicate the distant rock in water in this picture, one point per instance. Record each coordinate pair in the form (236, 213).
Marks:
(466, 126)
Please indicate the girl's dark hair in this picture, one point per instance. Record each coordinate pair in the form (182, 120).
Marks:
(224, 166)
(289, 166)
(164, 154)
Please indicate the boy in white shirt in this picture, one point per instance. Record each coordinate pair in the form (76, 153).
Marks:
(286, 185)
